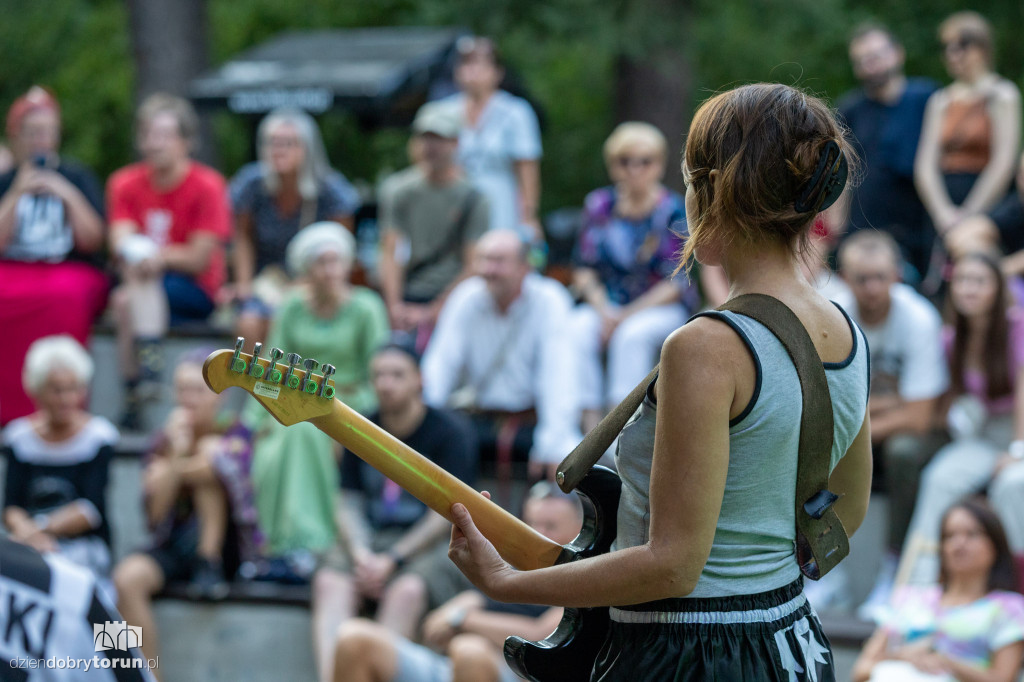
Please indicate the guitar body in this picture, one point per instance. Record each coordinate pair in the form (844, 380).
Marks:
(568, 653)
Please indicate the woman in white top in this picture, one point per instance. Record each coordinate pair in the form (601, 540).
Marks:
(499, 146)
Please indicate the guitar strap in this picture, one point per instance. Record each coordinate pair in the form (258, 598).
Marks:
(821, 539)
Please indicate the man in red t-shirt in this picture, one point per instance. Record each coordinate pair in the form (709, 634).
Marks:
(169, 222)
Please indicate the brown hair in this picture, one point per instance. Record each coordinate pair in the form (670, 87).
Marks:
(998, 381)
(970, 27)
(158, 103)
(765, 140)
(1003, 574)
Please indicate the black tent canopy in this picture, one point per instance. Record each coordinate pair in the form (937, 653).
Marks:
(381, 75)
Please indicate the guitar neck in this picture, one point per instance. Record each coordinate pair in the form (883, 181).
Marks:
(517, 543)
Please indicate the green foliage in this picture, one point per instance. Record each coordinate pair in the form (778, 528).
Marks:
(80, 49)
(564, 50)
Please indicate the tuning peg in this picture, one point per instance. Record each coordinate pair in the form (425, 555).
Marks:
(273, 373)
(237, 363)
(255, 368)
(310, 365)
(325, 390)
(293, 360)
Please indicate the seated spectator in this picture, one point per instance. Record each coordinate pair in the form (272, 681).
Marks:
(626, 254)
(58, 460)
(186, 506)
(970, 626)
(288, 188)
(502, 353)
(971, 133)
(51, 233)
(169, 221)
(466, 634)
(908, 376)
(985, 350)
(330, 320)
(499, 145)
(430, 218)
(395, 548)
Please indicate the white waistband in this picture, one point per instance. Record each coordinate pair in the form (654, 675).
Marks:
(709, 617)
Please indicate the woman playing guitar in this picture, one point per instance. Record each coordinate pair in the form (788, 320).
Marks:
(703, 577)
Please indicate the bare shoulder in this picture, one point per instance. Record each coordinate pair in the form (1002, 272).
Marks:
(704, 349)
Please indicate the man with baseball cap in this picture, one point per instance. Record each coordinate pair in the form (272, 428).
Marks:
(430, 218)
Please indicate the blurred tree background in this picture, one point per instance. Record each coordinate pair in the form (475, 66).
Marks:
(588, 63)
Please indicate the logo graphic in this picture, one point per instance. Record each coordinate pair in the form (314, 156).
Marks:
(118, 636)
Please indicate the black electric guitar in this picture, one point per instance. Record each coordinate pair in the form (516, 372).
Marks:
(294, 394)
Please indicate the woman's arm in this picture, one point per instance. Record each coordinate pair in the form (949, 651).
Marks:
(927, 175)
(662, 293)
(588, 285)
(995, 180)
(872, 653)
(1006, 665)
(696, 391)
(244, 255)
(527, 173)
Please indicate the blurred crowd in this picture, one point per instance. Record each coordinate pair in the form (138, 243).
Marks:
(456, 342)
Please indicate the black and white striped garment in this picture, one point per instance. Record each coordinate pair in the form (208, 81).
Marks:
(48, 607)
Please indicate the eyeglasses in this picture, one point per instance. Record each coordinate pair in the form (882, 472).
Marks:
(283, 142)
(638, 161)
(959, 45)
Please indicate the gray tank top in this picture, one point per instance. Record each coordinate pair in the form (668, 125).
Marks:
(754, 545)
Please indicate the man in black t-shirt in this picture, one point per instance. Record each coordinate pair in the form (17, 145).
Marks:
(393, 549)
(469, 630)
(885, 116)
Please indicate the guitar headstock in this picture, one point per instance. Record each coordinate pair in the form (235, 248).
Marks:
(290, 392)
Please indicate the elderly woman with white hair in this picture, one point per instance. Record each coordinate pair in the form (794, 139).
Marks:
(58, 459)
(291, 186)
(295, 470)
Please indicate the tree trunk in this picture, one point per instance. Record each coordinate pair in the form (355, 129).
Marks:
(169, 41)
(657, 89)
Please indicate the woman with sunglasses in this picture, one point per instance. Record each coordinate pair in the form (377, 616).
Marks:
(971, 134)
(703, 570)
(625, 255)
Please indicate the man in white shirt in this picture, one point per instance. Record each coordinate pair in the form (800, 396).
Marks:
(502, 352)
(908, 374)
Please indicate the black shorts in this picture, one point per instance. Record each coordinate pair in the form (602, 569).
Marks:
(768, 636)
(176, 556)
